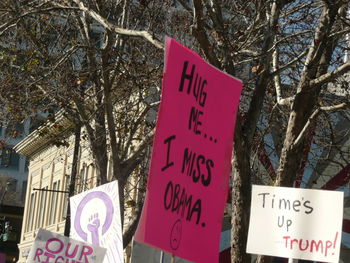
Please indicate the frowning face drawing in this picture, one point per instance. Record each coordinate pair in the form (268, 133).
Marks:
(175, 235)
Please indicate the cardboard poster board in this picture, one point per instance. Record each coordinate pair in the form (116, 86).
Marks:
(95, 218)
(52, 247)
(296, 223)
(191, 159)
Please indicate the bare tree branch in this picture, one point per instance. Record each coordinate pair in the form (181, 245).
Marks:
(277, 81)
(313, 118)
(331, 75)
(126, 32)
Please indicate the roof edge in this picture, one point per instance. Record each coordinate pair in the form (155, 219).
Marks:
(37, 140)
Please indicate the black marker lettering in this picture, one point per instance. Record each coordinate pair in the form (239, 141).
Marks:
(203, 95)
(181, 204)
(176, 199)
(169, 187)
(296, 204)
(197, 208)
(310, 209)
(168, 164)
(263, 194)
(194, 164)
(200, 160)
(285, 202)
(186, 160)
(194, 120)
(185, 76)
(209, 164)
(197, 87)
(184, 202)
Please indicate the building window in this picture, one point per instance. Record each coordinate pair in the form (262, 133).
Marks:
(31, 211)
(65, 199)
(43, 196)
(64, 209)
(24, 190)
(83, 179)
(54, 200)
(12, 186)
(9, 159)
(26, 166)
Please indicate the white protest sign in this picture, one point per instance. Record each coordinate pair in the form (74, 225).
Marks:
(52, 247)
(296, 223)
(95, 218)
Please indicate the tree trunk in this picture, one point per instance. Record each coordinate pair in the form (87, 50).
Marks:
(241, 192)
(306, 98)
(263, 259)
(72, 178)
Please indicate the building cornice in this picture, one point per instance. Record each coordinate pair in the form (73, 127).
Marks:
(44, 135)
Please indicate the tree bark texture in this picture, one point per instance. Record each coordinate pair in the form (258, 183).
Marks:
(241, 191)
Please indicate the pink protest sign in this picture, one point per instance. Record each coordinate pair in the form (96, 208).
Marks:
(190, 166)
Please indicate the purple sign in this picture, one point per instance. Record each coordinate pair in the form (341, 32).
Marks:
(96, 219)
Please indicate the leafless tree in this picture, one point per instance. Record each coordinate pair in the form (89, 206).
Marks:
(288, 53)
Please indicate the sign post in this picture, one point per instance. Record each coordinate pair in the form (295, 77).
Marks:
(191, 159)
(296, 223)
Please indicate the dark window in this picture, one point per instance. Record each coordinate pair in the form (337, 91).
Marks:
(30, 218)
(24, 190)
(9, 159)
(43, 196)
(54, 200)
